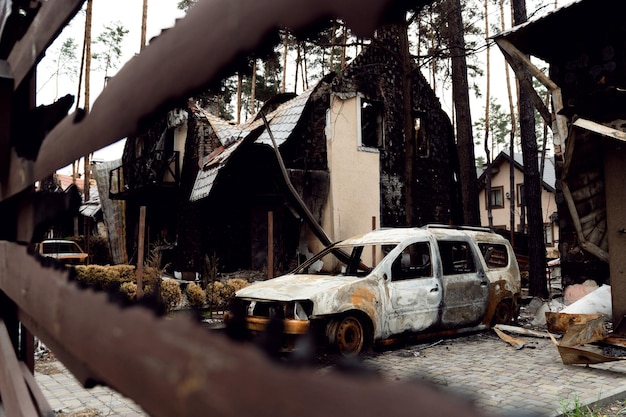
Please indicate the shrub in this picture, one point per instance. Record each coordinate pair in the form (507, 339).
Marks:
(126, 272)
(195, 295)
(237, 283)
(220, 293)
(215, 295)
(129, 290)
(151, 276)
(170, 294)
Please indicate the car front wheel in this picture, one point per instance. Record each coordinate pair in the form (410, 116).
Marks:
(349, 335)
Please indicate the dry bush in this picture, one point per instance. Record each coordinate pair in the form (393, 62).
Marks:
(170, 294)
(195, 295)
(126, 272)
(220, 293)
(129, 290)
(237, 283)
(215, 295)
(151, 276)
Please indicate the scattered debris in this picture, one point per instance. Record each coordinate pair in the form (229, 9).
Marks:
(516, 343)
(560, 322)
(573, 293)
(521, 330)
(598, 301)
(582, 333)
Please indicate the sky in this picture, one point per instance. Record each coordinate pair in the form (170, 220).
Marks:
(162, 14)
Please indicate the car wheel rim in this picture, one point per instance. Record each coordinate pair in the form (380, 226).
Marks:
(350, 336)
(503, 313)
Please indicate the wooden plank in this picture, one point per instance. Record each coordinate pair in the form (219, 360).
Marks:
(41, 402)
(53, 16)
(15, 396)
(600, 129)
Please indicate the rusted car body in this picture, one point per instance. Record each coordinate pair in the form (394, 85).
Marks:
(66, 251)
(390, 282)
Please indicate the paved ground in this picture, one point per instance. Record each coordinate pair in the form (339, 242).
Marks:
(502, 381)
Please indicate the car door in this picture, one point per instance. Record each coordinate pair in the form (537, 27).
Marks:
(415, 294)
(465, 284)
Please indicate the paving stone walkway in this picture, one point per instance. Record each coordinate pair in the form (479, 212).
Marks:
(505, 381)
(501, 380)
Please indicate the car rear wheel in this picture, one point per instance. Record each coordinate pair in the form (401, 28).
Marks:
(349, 335)
(503, 313)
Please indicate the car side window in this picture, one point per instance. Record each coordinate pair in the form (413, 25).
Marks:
(413, 262)
(496, 255)
(456, 257)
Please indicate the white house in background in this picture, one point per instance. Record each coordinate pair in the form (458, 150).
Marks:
(501, 201)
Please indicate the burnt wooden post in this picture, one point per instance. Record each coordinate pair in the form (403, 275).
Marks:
(270, 244)
(140, 250)
(373, 247)
(615, 183)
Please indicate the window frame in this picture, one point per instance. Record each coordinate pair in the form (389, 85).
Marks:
(495, 189)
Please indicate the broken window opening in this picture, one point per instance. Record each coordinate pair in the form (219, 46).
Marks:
(372, 124)
(413, 262)
(496, 256)
(456, 257)
(422, 143)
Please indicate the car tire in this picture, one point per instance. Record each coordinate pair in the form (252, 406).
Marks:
(503, 313)
(349, 335)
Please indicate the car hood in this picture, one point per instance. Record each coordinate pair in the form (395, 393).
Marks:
(296, 287)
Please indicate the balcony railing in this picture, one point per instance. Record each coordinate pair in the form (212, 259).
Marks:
(150, 172)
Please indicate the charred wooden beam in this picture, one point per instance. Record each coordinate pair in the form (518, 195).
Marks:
(520, 64)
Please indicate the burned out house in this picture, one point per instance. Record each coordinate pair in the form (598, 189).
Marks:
(583, 43)
(313, 168)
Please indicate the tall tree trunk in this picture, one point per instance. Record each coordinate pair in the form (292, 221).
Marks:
(295, 82)
(285, 51)
(253, 89)
(305, 69)
(144, 19)
(460, 92)
(86, 164)
(433, 62)
(87, 85)
(487, 127)
(331, 63)
(343, 46)
(239, 84)
(532, 183)
(512, 190)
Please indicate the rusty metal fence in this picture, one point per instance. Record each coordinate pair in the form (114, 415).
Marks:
(170, 367)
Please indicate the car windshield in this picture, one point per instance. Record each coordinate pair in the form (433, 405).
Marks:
(60, 247)
(353, 260)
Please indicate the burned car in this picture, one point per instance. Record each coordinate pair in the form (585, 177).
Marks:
(66, 251)
(390, 282)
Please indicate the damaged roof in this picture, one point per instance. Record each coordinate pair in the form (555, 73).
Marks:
(284, 119)
(282, 122)
(558, 35)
